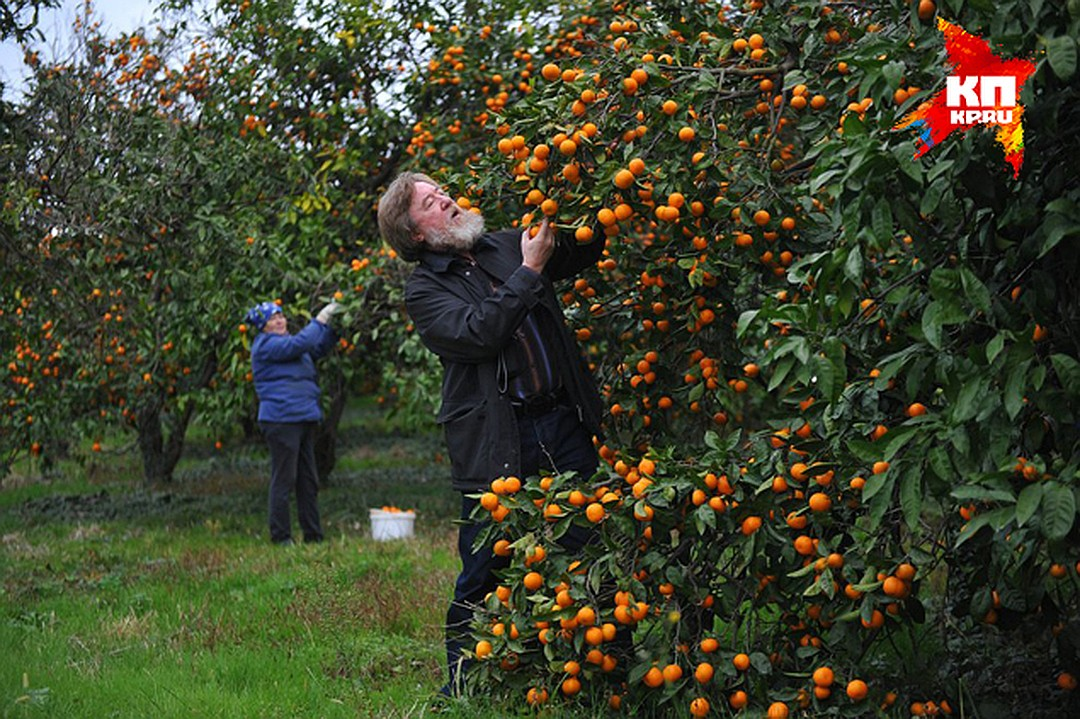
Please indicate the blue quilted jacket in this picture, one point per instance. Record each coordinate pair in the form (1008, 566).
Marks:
(283, 367)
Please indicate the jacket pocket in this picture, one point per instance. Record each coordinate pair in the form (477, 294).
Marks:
(465, 427)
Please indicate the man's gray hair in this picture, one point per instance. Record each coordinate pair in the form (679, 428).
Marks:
(395, 223)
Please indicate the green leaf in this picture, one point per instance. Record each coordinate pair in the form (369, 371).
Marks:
(853, 267)
(975, 290)
(881, 502)
(969, 398)
(931, 198)
(704, 519)
(1028, 502)
(893, 72)
(826, 377)
(1061, 53)
(744, 322)
(932, 324)
(995, 519)
(911, 490)
(940, 463)
(1054, 229)
(986, 494)
(696, 392)
(1067, 370)
(1058, 511)
(881, 222)
(895, 441)
(1014, 389)
(994, 347)
(779, 372)
(873, 485)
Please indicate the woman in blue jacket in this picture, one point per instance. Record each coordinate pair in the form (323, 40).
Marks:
(283, 367)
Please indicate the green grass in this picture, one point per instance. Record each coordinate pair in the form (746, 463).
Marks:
(122, 602)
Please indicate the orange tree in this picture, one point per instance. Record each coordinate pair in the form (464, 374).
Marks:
(124, 232)
(842, 383)
(160, 186)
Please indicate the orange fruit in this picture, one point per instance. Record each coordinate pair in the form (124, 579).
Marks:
(926, 10)
(857, 690)
(881, 467)
(750, 525)
(699, 707)
(877, 620)
(586, 616)
(778, 710)
(704, 673)
(571, 686)
(761, 218)
(823, 676)
(551, 72)
(894, 587)
(820, 502)
(905, 572)
(483, 649)
(741, 662)
(687, 134)
(709, 645)
(738, 699)
(1066, 681)
(595, 512)
(533, 581)
(624, 179)
(916, 409)
(672, 673)
(653, 678)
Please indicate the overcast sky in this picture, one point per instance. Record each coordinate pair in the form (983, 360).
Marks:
(116, 16)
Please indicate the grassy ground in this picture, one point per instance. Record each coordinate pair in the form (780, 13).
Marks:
(121, 602)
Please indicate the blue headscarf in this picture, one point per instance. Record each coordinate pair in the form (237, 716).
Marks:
(258, 315)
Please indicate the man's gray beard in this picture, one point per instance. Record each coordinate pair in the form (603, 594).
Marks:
(460, 236)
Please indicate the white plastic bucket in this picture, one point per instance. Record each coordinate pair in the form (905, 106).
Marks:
(391, 525)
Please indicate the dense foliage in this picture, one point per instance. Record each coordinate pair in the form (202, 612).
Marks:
(842, 383)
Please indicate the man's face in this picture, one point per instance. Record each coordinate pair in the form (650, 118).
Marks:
(440, 223)
(276, 325)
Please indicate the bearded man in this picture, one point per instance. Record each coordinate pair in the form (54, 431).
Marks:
(517, 397)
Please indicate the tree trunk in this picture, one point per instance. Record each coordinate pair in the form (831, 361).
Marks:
(151, 446)
(161, 453)
(326, 438)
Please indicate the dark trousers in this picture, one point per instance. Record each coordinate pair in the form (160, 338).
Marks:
(555, 441)
(292, 467)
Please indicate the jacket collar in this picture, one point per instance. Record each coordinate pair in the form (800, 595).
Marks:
(440, 261)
